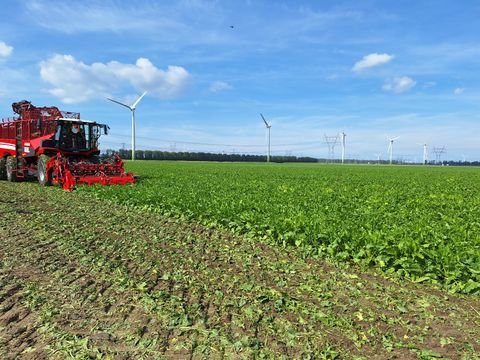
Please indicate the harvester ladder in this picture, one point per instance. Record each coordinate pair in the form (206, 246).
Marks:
(19, 150)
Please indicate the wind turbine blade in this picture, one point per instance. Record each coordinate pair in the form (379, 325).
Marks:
(395, 138)
(119, 103)
(265, 121)
(138, 100)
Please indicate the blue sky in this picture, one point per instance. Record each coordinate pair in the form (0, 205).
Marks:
(373, 69)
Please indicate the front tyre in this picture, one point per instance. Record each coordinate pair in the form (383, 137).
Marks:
(44, 177)
(11, 169)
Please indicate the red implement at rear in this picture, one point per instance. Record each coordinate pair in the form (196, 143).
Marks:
(67, 173)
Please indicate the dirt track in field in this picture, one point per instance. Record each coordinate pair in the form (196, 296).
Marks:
(85, 278)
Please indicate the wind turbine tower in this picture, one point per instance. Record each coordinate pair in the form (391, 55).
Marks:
(343, 146)
(390, 147)
(268, 126)
(132, 109)
(425, 154)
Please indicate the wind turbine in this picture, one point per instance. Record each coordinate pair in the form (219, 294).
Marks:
(132, 109)
(390, 147)
(268, 126)
(343, 146)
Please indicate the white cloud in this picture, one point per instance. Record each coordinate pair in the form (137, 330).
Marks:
(399, 84)
(5, 50)
(429, 84)
(74, 81)
(218, 86)
(331, 77)
(458, 91)
(372, 60)
(96, 16)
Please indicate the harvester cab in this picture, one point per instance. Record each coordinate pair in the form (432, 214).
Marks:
(56, 147)
(76, 136)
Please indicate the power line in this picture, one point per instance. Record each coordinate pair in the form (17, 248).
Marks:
(215, 144)
(171, 148)
(331, 141)
(439, 151)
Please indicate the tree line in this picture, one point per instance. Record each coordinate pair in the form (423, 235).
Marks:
(204, 156)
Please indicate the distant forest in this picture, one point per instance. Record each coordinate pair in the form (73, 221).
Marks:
(203, 156)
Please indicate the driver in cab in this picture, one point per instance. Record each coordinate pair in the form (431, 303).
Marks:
(78, 137)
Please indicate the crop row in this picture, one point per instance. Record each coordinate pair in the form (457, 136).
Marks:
(418, 223)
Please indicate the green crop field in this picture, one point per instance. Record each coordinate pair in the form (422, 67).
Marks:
(422, 223)
(244, 261)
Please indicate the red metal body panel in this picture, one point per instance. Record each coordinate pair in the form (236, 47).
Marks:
(7, 147)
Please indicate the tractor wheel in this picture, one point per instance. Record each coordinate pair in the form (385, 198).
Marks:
(3, 169)
(43, 177)
(11, 167)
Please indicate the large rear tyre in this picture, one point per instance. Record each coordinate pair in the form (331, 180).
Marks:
(44, 178)
(11, 169)
(3, 169)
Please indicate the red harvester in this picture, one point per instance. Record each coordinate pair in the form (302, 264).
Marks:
(56, 147)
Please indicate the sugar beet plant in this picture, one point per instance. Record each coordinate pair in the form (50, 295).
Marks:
(413, 222)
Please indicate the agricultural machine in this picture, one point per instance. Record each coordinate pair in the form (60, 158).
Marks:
(56, 147)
